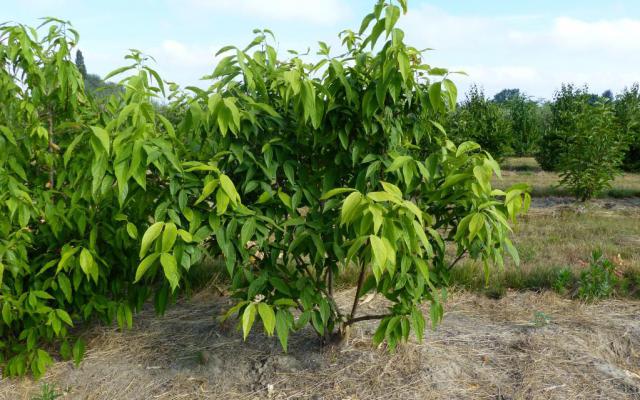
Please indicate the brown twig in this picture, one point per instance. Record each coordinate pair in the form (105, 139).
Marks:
(366, 318)
(357, 296)
(456, 260)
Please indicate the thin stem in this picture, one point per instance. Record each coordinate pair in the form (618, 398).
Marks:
(358, 287)
(366, 318)
(456, 260)
(52, 146)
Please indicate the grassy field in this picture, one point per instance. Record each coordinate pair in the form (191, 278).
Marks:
(527, 170)
(558, 234)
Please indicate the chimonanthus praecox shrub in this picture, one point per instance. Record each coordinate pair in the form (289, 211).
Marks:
(291, 170)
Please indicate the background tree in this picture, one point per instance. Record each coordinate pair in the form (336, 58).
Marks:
(566, 110)
(627, 111)
(505, 95)
(483, 121)
(80, 64)
(594, 150)
(525, 117)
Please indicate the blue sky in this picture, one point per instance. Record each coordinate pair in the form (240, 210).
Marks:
(532, 45)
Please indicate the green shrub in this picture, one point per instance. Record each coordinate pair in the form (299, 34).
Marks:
(564, 281)
(338, 162)
(582, 142)
(343, 165)
(593, 152)
(483, 121)
(627, 111)
(79, 184)
(525, 119)
(567, 108)
(598, 280)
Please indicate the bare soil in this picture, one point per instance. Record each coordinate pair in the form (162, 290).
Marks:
(525, 345)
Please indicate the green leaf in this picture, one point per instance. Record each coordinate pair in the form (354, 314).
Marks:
(248, 317)
(88, 265)
(78, 351)
(435, 97)
(170, 268)
(145, 265)
(65, 286)
(185, 236)
(513, 252)
(334, 192)
(466, 147)
(229, 188)
(132, 230)
(268, 317)
(418, 323)
(379, 251)
(169, 236)
(349, 207)
(452, 92)
(392, 13)
(379, 197)
(476, 223)
(149, 237)
(208, 188)
(391, 189)
(285, 199)
(398, 162)
(118, 71)
(404, 66)
(70, 148)
(222, 202)
(103, 137)
(6, 313)
(282, 328)
(64, 316)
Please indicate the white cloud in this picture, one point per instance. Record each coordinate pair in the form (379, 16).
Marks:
(617, 35)
(570, 34)
(184, 63)
(316, 11)
(192, 56)
(533, 53)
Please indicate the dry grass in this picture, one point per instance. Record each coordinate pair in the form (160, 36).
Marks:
(526, 170)
(485, 349)
(559, 236)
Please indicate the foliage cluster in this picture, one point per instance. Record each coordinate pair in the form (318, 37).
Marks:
(483, 121)
(597, 281)
(290, 170)
(78, 183)
(583, 143)
(586, 137)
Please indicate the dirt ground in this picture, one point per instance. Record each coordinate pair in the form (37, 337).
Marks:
(525, 345)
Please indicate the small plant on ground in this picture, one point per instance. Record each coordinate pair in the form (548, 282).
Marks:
(540, 319)
(563, 281)
(47, 392)
(598, 280)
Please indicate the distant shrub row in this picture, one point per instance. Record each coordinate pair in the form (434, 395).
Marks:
(585, 137)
